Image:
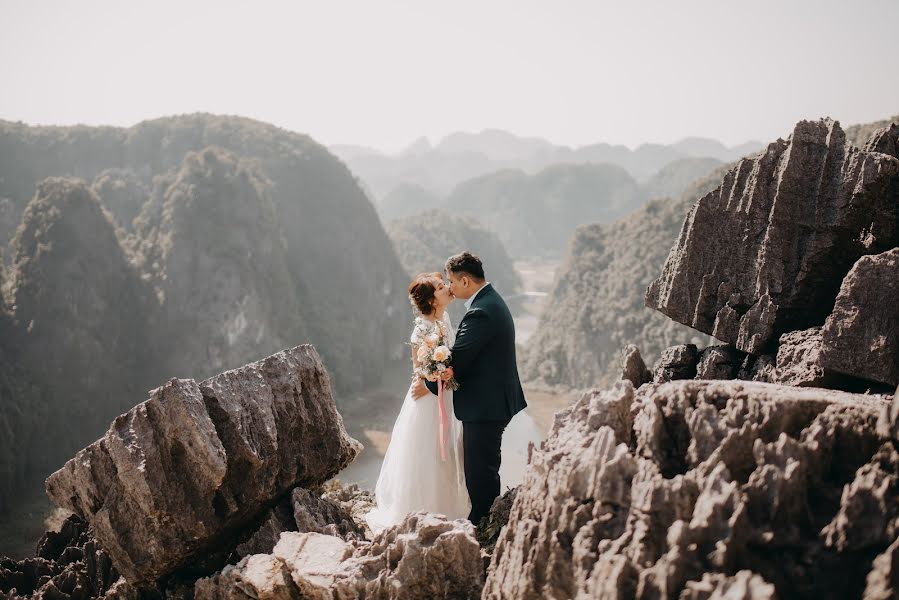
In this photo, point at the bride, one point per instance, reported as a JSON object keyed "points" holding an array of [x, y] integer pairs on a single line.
{"points": [[413, 475]]}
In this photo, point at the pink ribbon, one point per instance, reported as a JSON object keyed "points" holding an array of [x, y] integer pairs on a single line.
{"points": [[442, 421]]}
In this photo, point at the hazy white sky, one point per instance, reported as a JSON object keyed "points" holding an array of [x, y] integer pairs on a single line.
{"points": [[383, 72]]}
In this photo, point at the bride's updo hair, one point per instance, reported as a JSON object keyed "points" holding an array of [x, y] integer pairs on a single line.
{"points": [[421, 292]]}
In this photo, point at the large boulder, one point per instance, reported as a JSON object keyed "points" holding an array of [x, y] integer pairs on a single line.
{"points": [[186, 469], [426, 556], [670, 490], [764, 253], [861, 336]]}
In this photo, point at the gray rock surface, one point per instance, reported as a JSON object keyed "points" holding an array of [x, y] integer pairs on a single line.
{"points": [[719, 362], [676, 362], [426, 556], [182, 471], [667, 491], [799, 359], [861, 336], [883, 580], [634, 369], [764, 253], [316, 514], [744, 585]]}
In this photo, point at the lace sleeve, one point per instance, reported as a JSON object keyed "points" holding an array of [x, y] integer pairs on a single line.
{"points": [[419, 331]]}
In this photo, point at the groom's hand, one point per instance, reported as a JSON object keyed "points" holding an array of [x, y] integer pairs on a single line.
{"points": [[419, 390]]}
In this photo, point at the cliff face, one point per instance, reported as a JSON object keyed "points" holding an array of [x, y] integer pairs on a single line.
{"points": [[218, 262], [596, 306], [81, 323]]}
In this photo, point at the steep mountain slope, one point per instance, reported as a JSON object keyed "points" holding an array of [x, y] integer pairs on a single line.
{"points": [[596, 306], [83, 321], [247, 239]]}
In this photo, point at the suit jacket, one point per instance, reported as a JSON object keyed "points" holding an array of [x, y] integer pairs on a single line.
{"points": [[484, 362]]}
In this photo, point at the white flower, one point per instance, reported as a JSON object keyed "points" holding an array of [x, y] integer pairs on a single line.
{"points": [[441, 367], [422, 354], [431, 340], [441, 353]]}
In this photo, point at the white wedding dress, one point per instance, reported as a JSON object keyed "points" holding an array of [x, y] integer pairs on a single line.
{"points": [[413, 476]]}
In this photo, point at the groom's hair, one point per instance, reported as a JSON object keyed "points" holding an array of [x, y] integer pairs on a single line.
{"points": [[466, 263]]}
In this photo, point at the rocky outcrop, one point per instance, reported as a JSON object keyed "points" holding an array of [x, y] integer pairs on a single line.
{"points": [[676, 362], [196, 462], [69, 565], [633, 368], [694, 489], [491, 526], [317, 514], [764, 253], [719, 362], [305, 510], [799, 359], [426, 556], [861, 336], [858, 345]]}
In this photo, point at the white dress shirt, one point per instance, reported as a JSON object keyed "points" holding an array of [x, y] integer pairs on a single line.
{"points": [[475, 295]]}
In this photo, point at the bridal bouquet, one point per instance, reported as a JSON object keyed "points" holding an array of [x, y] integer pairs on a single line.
{"points": [[435, 357]]}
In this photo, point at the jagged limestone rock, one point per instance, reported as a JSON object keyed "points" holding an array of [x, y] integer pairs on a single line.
{"points": [[799, 359], [883, 580], [180, 472], [634, 369], [320, 515], [426, 556], [676, 362], [719, 362], [706, 479], [744, 585], [861, 336], [69, 565], [764, 253]]}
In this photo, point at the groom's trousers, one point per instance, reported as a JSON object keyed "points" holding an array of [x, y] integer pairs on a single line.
{"points": [[481, 443]]}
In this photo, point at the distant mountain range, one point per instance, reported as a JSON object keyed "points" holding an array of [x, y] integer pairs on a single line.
{"points": [[536, 214], [461, 156]]}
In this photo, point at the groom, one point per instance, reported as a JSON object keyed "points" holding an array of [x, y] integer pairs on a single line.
{"points": [[484, 365]]}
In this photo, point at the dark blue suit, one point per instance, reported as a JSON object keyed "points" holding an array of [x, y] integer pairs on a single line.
{"points": [[489, 394]]}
